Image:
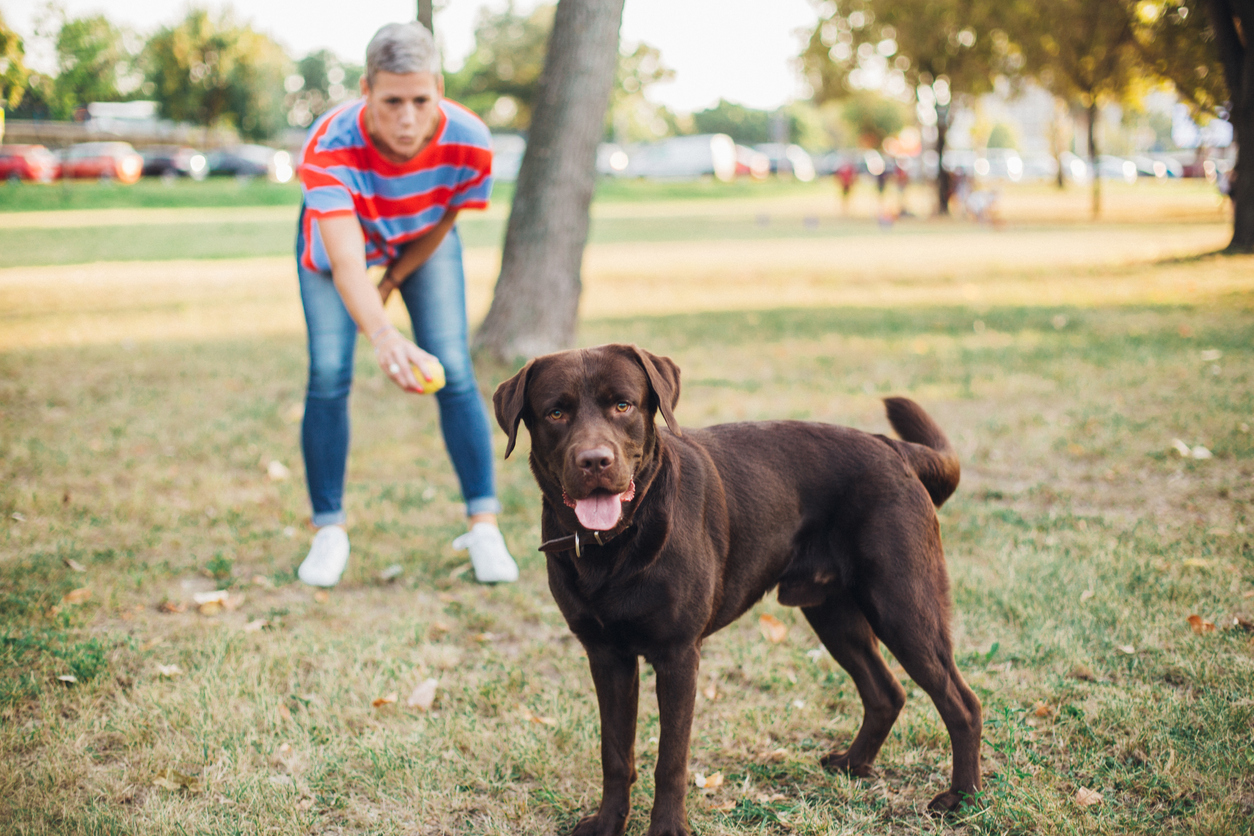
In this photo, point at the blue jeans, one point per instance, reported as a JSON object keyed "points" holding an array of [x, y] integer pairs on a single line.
{"points": [[435, 295]]}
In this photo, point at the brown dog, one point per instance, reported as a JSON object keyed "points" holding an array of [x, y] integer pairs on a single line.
{"points": [[657, 539]]}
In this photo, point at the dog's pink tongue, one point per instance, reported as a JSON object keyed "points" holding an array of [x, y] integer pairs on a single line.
{"points": [[599, 512]]}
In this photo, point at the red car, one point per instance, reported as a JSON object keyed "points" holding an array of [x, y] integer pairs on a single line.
{"points": [[103, 160], [33, 163]]}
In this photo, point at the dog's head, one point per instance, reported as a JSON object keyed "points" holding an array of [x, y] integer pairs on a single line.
{"points": [[590, 414]]}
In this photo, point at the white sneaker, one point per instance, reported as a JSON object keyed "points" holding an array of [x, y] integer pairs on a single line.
{"points": [[488, 554], [327, 557]]}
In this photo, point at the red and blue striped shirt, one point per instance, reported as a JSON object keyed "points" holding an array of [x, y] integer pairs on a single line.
{"points": [[342, 172]]}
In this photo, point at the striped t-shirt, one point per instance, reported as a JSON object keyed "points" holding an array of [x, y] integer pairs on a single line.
{"points": [[341, 171]]}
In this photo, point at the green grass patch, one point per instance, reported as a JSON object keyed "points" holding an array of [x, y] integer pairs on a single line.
{"points": [[1079, 543]]}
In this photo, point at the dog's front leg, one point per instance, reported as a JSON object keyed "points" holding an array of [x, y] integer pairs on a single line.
{"points": [[616, 676], [676, 699]]}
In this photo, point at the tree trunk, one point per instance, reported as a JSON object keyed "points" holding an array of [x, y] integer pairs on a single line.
{"points": [[1097, 178], [425, 16], [536, 302], [1237, 57], [944, 185]]}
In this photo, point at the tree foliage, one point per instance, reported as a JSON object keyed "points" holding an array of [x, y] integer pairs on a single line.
{"points": [[94, 64], [320, 82], [1176, 41], [13, 72], [931, 51], [743, 124], [211, 71]]}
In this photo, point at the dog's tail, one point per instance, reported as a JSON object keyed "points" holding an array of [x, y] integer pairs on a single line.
{"points": [[929, 452]]}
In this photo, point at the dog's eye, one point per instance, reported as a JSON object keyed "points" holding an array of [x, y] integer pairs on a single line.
{"points": [[622, 406], [556, 414]]}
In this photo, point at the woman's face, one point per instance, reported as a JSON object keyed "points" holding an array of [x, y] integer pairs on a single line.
{"points": [[402, 111]]}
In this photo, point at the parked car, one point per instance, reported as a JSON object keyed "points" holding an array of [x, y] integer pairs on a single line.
{"points": [[751, 163], [251, 161], [684, 157], [788, 160], [32, 163], [174, 161], [102, 160]]}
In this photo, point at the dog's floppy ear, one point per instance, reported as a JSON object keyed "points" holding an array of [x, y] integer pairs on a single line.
{"points": [[510, 399], [664, 381]]}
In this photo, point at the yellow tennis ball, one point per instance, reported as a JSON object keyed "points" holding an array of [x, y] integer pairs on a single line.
{"points": [[437, 381]]}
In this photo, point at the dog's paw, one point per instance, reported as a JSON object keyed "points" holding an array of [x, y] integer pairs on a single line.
{"points": [[950, 800], [600, 825], [669, 830], [840, 762]]}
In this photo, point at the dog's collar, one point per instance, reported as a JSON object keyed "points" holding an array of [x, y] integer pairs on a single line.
{"points": [[572, 541]]}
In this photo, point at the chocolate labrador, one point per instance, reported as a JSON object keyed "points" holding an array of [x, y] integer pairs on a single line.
{"points": [[656, 538]]}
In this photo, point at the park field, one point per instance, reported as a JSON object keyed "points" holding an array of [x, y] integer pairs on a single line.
{"points": [[1097, 380]]}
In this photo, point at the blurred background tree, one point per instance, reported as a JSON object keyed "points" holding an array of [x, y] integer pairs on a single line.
{"points": [[500, 77], [96, 62], [321, 81], [928, 51], [13, 72], [1082, 52], [1203, 48], [210, 71]]}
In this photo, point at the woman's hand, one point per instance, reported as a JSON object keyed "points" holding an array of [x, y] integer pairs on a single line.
{"points": [[397, 356], [387, 284]]}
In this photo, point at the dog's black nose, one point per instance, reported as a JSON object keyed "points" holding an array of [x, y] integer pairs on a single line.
{"points": [[594, 459]]}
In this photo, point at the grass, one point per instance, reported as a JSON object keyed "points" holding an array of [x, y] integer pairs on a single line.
{"points": [[1079, 544]]}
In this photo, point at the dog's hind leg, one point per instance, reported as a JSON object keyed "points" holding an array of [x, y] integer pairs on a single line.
{"points": [[848, 636], [926, 652], [616, 676]]}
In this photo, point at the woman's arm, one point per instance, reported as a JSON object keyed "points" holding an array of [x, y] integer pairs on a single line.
{"points": [[346, 248], [414, 255]]}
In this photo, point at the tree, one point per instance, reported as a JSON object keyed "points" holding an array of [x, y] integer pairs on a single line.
{"points": [[211, 72], [536, 303], [1203, 47], [321, 81], [94, 64], [934, 51], [743, 124], [1082, 52], [632, 117], [13, 72], [500, 79]]}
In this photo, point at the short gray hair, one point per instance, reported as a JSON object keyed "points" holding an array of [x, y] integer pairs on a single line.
{"points": [[402, 48]]}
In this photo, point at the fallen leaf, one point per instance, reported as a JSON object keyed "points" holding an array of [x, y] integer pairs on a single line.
{"points": [[75, 565], [460, 570], [1127, 648], [281, 780], [710, 692], [1086, 594], [1086, 797], [484, 638], [76, 596], [277, 471], [1242, 621], [262, 580], [18, 516], [387, 699], [218, 596], [172, 607], [535, 718], [725, 806], [1042, 709], [284, 712], [1180, 447], [173, 780], [1200, 625], [322, 596], [773, 629], [776, 755], [1196, 563], [69, 677], [255, 625], [423, 696], [771, 799], [1210, 355], [391, 573], [708, 783], [169, 671], [211, 608]]}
